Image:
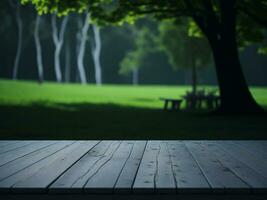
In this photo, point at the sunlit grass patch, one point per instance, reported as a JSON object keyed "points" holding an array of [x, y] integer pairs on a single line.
{"points": [[25, 93]]}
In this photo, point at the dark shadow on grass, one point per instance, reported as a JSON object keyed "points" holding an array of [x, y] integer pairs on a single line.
{"points": [[109, 121]]}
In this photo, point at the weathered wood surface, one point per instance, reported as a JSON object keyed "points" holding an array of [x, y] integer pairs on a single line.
{"points": [[133, 167]]}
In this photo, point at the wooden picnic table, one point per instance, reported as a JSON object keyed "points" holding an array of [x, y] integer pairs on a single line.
{"points": [[197, 101], [172, 104], [115, 169]]}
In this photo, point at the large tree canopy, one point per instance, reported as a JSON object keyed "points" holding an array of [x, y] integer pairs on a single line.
{"points": [[217, 20]]}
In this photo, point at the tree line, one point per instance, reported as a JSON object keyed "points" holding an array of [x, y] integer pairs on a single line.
{"points": [[219, 22], [59, 26], [225, 25], [72, 39]]}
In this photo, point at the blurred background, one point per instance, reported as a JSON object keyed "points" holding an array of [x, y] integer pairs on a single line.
{"points": [[145, 53]]}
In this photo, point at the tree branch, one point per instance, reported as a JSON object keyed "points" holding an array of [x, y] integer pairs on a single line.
{"points": [[259, 20]]}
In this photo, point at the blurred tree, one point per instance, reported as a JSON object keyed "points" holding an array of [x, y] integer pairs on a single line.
{"points": [[58, 39], [38, 49], [6, 31], [184, 51], [67, 57], [82, 37], [255, 12], [145, 43], [16, 6], [96, 50], [121, 38], [217, 21], [130, 64]]}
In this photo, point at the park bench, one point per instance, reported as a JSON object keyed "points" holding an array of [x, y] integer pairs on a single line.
{"points": [[175, 104]]}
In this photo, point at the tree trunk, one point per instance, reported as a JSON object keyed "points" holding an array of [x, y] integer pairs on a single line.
{"points": [[19, 46], [78, 43], [81, 46], [38, 49], [58, 39], [96, 50], [135, 76], [67, 62], [194, 74], [235, 95]]}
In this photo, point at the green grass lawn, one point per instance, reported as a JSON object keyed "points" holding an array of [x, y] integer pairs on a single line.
{"points": [[25, 93], [71, 111]]}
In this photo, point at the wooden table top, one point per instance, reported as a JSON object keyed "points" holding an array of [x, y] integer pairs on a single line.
{"points": [[153, 166]]}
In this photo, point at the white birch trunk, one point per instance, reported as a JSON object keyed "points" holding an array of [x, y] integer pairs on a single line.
{"points": [[67, 62], [78, 41], [78, 35], [96, 50], [81, 46], [38, 49], [135, 76], [58, 39], [19, 43]]}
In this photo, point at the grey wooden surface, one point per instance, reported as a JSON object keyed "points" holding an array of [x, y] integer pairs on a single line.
{"points": [[133, 167]]}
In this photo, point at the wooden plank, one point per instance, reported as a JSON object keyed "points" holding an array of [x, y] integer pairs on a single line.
{"points": [[134, 166], [247, 174], [126, 179], [145, 178], [188, 175], [19, 152], [220, 177], [104, 179], [7, 142], [75, 178], [82, 181], [14, 146], [6, 184], [259, 148], [252, 160], [40, 180], [25, 161], [155, 171], [164, 179]]}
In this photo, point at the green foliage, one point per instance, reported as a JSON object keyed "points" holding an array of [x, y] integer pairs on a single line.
{"points": [[193, 30], [120, 11], [248, 32], [145, 43], [131, 61], [262, 50], [58, 6], [185, 50]]}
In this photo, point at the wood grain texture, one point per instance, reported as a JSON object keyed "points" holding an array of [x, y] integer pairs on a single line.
{"points": [[126, 178], [188, 175], [7, 143], [114, 167], [9, 146], [145, 178], [254, 179], [155, 172], [220, 177], [22, 151], [76, 177], [251, 159], [6, 184], [40, 180], [104, 179]]}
